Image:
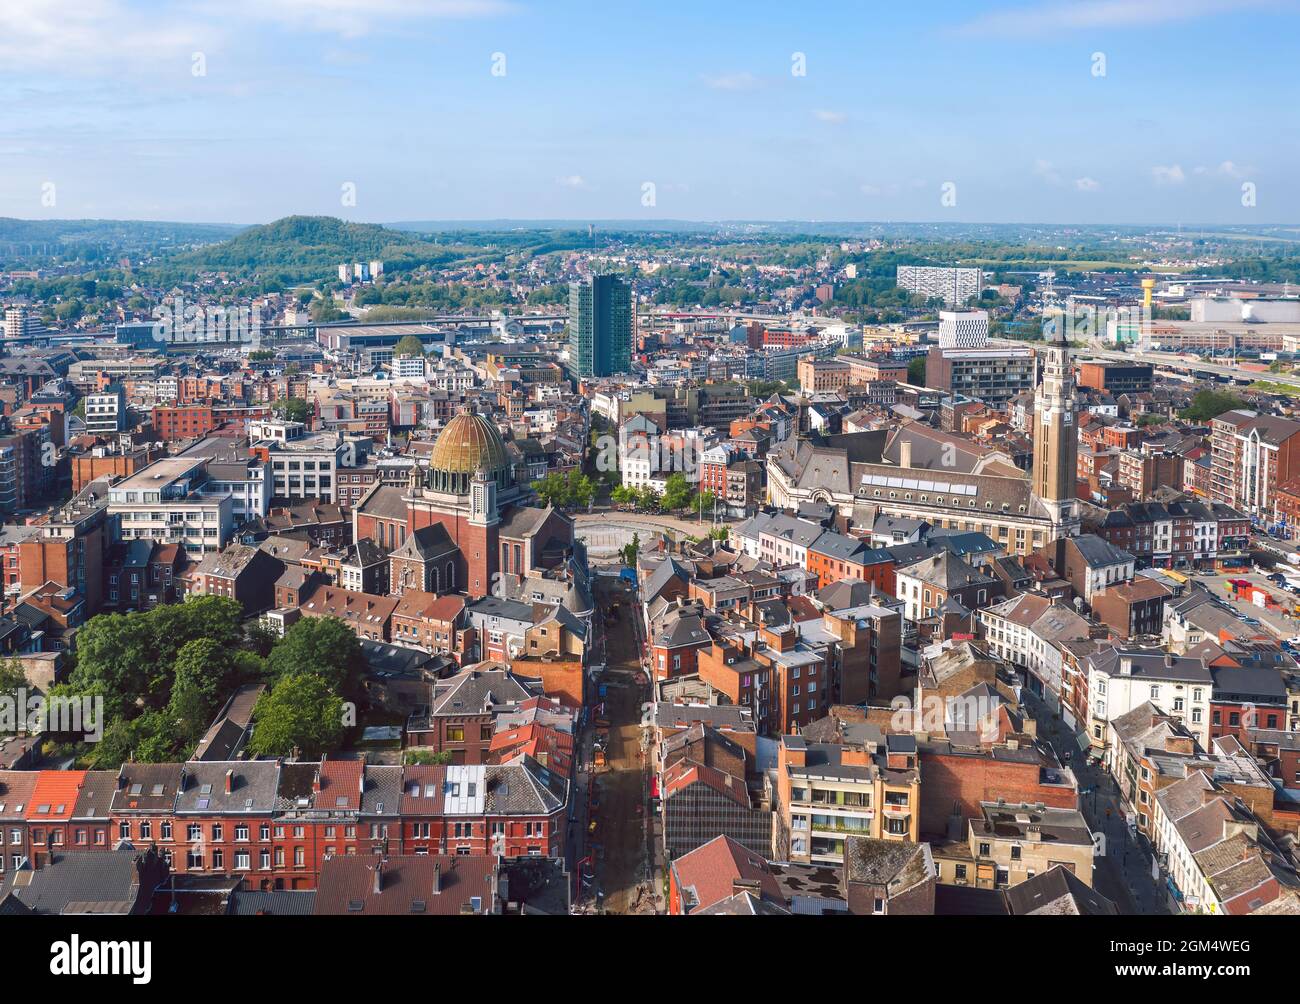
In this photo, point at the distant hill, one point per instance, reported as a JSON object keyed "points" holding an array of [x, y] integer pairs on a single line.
{"points": [[309, 247], [25, 237]]}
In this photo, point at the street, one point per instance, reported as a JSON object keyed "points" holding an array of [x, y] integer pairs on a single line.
{"points": [[620, 841], [1122, 870]]}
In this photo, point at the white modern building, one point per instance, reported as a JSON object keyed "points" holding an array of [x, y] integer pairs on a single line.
{"points": [[305, 465], [105, 413], [963, 329], [167, 502]]}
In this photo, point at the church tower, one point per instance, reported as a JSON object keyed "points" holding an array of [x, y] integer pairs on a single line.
{"points": [[1056, 440]]}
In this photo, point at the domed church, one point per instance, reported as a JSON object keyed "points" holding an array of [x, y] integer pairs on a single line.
{"points": [[463, 521]]}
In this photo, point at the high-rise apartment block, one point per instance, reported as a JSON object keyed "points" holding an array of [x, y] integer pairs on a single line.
{"points": [[952, 285]]}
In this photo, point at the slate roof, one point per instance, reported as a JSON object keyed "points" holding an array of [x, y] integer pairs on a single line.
{"points": [[279, 903], [474, 691], [383, 790], [89, 882], [407, 885], [147, 788], [254, 788], [946, 571], [1057, 891]]}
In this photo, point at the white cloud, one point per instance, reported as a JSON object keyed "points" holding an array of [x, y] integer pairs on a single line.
{"points": [[825, 115], [1231, 170], [80, 37], [1170, 175], [572, 181], [1046, 18], [1047, 171], [97, 37], [354, 18], [743, 81], [1087, 184]]}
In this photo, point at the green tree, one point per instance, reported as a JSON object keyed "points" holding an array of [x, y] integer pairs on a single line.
{"points": [[323, 311], [12, 679], [425, 758], [623, 495], [324, 646], [302, 711], [677, 492], [293, 409], [1208, 404], [631, 550], [916, 372], [409, 345], [205, 673], [552, 489], [704, 502], [581, 489]]}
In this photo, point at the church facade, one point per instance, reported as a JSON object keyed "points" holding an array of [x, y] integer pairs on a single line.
{"points": [[463, 523]]}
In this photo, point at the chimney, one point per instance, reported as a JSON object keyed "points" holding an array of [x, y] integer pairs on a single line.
{"points": [[905, 453], [437, 878], [230, 780], [379, 877], [854, 756]]}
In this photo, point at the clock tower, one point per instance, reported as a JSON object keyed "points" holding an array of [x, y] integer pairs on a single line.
{"points": [[1056, 440]]}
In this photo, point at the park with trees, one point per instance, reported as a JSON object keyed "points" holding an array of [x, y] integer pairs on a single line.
{"points": [[164, 674]]}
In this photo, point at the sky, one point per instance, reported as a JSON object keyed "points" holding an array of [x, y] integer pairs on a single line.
{"points": [[243, 111]]}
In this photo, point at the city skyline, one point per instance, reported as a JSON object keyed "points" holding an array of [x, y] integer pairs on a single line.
{"points": [[1088, 113]]}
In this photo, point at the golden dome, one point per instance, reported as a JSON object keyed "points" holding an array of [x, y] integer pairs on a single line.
{"points": [[469, 443]]}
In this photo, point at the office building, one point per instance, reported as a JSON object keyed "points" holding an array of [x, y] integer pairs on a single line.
{"points": [[600, 326]]}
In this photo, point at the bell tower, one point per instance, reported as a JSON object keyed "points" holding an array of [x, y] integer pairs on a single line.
{"points": [[1056, 440], [483, 500], [479, 542]]}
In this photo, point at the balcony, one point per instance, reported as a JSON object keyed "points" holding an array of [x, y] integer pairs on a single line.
{"points": [[860, 825]]}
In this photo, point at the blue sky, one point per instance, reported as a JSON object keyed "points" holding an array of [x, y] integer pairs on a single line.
{"points": [[1000, 99]]}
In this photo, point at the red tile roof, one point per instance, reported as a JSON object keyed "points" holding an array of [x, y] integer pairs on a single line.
{"points": [[707, 874], [55, 796], [340, 784]]}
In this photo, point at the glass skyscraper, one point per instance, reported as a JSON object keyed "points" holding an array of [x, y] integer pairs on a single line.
{"points": [[600, 326]]}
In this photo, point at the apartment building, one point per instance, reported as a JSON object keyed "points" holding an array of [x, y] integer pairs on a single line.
{"points": [[1250, 455], [1120, 680], [867, 786], [952, 285], [169, 501], [306, 465]]}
